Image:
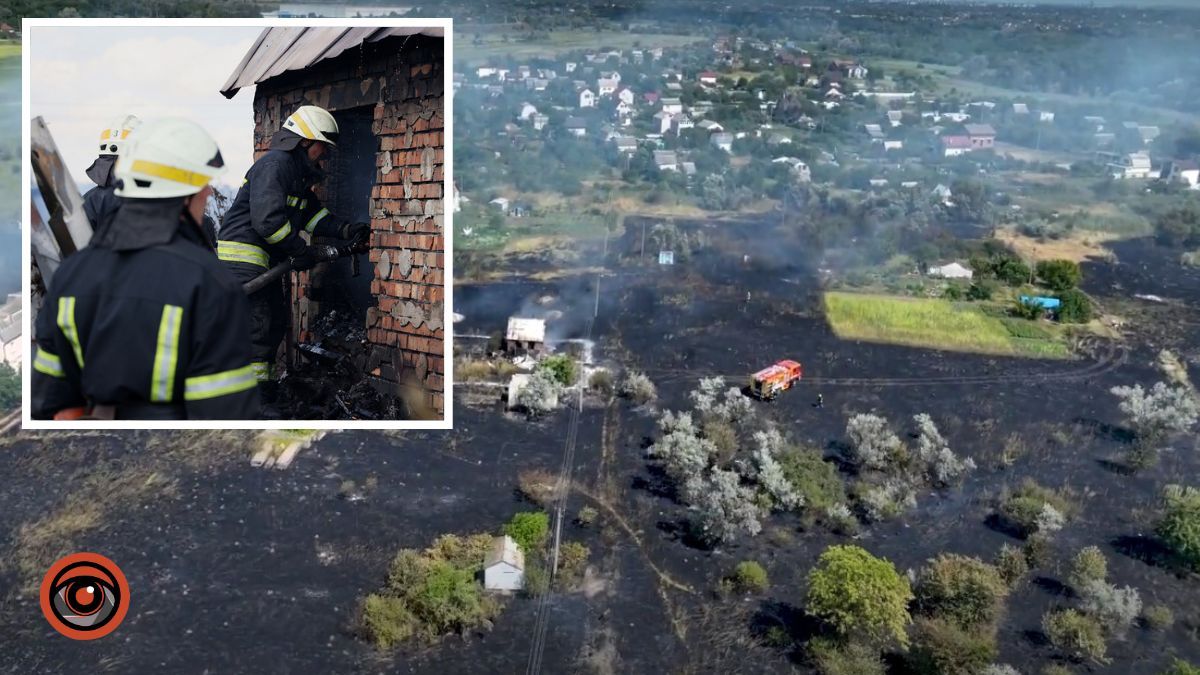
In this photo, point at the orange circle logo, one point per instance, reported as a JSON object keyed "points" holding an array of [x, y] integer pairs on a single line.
{"points": [[84, 596]]}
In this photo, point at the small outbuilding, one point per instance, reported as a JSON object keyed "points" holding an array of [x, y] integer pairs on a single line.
{"points": [[525, 335], [504, 566], [951, 271]]}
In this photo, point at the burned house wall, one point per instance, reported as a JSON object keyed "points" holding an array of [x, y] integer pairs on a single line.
{"points": [[400, 82]]}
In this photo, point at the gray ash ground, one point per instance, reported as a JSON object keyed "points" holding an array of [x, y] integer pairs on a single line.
{"points": [[248, 570]]}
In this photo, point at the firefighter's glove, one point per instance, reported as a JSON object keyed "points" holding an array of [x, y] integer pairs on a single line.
{"points": [[356, 233], [305, 260]]}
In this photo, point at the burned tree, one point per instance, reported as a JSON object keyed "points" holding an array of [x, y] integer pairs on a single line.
{"points": [[1155, 414]]}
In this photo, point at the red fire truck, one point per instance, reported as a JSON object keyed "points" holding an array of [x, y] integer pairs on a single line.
{"points": [[768, 382]]}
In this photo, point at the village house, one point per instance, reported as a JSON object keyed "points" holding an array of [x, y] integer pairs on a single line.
{"points": [[626, 96], [587, 99], [777, 139], [504, 566], [622, 109], [570, 66], [626, 144], [981, 135], [1045, 116], [501, 204], [722, 141], [525, 336], [1184, 171], [385, 89], [893, 145], [681, 123], [710, 126], [666, 160], [576, 126], [953, 146], [663, 119], [672, 106], [674, 88], [651, 98], [799, 168], [606, 86], [1020, 109], [540, 121], [701, 108], [941, 193], [527, 111], [708, 77], [1135, 166], [1148, 133], [951, 271], [875, 132]]}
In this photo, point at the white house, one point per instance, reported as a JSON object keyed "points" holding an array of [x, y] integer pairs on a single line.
{"points": [[679, 123], [587, 99], [614, 76], [710, 126], [540, 121], [951, 271], [708, 77], [672, 106], [941, 193], [875, 132], [1136, 165], [666, 160], [664, 121], [569, 66], [626, 144], [893, 145], [500, 203], [484, 72], [1020, 108], [504, 566], [895, 117], [1045, 116], [606, 87], [527, 111], [623, 109], [625, 96], [722, 141], [799, 167]]}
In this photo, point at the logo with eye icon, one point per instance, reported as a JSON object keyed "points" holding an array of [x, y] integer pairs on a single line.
{"points": [[84, 596]]}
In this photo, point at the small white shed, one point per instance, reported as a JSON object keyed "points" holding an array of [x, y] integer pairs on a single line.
{"points": [[951, 271], [504, 566]]}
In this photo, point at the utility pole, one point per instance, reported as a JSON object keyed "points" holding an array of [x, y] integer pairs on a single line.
{"points": [[596, 310], [643, 256]]}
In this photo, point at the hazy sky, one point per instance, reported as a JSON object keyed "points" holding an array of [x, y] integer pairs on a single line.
{"points": [[86, 78]]}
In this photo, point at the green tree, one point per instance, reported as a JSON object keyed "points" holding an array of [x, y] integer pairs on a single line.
{"points": [[946, 648], [10, 387], [1075, 307], [966, 591], [1180, 525], [750, 576], [529, 529], [860, 595], [562, 367], [1076, 634], [1059, 275]]}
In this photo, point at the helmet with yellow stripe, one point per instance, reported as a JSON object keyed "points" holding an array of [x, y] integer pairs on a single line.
{"points": [[169, 157], [112, 138], [313, 123]]}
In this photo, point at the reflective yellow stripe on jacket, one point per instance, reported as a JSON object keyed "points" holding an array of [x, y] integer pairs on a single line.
{"points": [[219, 384], [236, 251], [312, 222], [47, 363], [66, 323], [166, 355], [279, 234]]}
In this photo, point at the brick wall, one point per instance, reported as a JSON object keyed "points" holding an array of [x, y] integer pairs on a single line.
{"points": [[402, 80]]}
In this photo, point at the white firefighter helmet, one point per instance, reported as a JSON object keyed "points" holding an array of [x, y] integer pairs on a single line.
{"points": [[112, 138], [313, 123], [169, 157]]}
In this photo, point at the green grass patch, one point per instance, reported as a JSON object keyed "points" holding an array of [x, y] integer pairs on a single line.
{"points": [[937, 324], [10, 49]]}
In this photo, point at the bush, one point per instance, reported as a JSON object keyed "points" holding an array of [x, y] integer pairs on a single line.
{"points": [[872, 443], [981, 290], [815, 480], [1115, 608], [1075, 634], [601, 382], [830, 658], [1011, 564], [587, 515], [1026, 509], [529, 529], [562, 367], [1158, 617], [1180, 526], [883, 502], [965, 591], [941, 464], [572, 558], [1075, 307], [386, 620], [537, 579], [1181, 667], [10, 387], [1059, 275], [750, 577], [859, 595], [540, 394], [1089, 565], [638, 388], [944, 648], [1165, 408]]}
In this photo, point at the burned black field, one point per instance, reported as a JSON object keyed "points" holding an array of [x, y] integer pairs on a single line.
{"points": [[241, 569]]}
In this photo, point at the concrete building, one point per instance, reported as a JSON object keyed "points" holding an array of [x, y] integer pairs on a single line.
{"points": [[525, 335], [504, 566]]}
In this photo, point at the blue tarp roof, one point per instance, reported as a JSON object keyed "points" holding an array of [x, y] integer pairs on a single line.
{"points": [[1041, 301]]}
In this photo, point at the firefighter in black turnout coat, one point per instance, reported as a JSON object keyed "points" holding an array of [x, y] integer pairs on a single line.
{"points": [[100, 204], [145, 322], [263, 225]]}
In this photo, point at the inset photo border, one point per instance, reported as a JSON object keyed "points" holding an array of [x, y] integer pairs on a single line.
{"points": [[156, 298]]}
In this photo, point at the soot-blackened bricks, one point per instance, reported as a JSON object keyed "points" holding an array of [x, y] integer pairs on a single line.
{"points": [[402, 81]]}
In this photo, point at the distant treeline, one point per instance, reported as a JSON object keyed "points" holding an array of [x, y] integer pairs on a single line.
{"points": [[12, 11]]}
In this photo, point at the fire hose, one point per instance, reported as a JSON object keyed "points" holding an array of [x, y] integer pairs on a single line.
{"points": [[321, 254]]}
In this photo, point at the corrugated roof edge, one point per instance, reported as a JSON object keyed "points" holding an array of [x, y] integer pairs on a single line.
{"points": [[281, 49]]}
